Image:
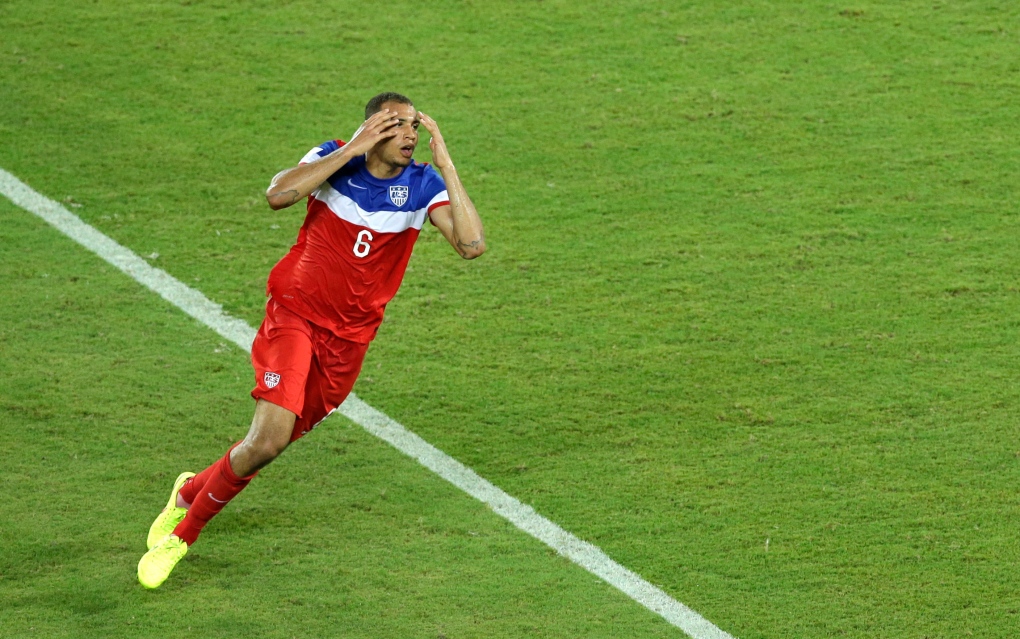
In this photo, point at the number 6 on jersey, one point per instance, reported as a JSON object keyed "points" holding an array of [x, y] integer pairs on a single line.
{"points": [[362, 246]]}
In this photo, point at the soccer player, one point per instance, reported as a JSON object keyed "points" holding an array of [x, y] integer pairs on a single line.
{"points": [[367, 202]]}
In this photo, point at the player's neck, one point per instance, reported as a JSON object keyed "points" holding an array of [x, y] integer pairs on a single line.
{"points": [[381, 169]]}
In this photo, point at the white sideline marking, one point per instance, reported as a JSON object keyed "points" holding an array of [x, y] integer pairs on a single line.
{"points": [[192, 302]]}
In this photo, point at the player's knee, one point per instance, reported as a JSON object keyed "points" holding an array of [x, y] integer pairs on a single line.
{"points": [[268, 449], [264, 447]]}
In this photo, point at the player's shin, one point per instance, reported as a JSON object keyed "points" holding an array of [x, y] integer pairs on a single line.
{"points": [[221, 485]]}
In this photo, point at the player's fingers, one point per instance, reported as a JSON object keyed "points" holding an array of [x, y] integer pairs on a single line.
{"points": [[379, 117], [426, 121], [374, 121], [385, 125]]}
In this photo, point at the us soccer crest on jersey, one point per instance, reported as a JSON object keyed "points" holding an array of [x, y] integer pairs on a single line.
{"points": [[398, 195]]}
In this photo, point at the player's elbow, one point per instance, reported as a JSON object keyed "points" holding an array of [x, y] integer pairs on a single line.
{"points": [[281, 192], [278, 200], [472, 250], [274, 203]]}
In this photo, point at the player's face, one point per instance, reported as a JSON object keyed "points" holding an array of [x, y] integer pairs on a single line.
{"points": [[397, 151]]}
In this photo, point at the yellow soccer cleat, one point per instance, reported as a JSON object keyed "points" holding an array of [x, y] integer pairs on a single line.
{"points": [[157, 564], [171, 515]]}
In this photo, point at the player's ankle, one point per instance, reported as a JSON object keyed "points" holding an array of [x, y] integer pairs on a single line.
{"points": [[181, 503]]}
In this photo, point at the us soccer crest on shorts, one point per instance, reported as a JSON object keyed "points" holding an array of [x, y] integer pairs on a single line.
{"points": [[271, 379], [398, 195]]}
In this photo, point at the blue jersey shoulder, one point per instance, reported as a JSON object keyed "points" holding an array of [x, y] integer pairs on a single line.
{"points": [[328, 147]]}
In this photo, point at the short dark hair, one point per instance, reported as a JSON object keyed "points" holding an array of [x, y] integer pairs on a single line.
{"points": [[375, 104]]}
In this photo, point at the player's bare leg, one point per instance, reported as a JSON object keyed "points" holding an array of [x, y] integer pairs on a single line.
{"points": [[268, 436], [211, 490]]}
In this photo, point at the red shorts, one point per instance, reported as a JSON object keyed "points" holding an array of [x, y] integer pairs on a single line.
{"points": [[302, 367]]}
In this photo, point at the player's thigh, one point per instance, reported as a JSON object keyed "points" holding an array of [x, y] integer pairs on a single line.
{"points": [[331, 377]]}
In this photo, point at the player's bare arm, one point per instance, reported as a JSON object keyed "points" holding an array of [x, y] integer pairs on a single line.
{"points": [[459, 222], [295, 184]]}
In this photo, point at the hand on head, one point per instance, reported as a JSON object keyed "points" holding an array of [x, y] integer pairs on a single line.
{"points": [[379, 127], [440, 155]]}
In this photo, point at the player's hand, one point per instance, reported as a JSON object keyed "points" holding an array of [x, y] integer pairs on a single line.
{"points": [[440, 155], [380, 126]]}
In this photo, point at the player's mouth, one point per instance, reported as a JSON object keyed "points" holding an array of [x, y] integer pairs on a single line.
{"points": [[407, 150]]}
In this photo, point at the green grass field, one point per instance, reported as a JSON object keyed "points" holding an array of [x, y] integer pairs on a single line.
{"points": [[748, 320]]}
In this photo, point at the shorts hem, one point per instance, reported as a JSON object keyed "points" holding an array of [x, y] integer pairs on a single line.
{"points": [[258, 394]]}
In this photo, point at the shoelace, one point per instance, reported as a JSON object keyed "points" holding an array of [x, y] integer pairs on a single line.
{"points": [[176, 546]]}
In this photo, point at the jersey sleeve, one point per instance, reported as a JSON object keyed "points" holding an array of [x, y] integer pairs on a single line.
{"points": [[433, 190], [321, 151]]}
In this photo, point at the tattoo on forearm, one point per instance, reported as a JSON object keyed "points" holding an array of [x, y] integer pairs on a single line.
{"points": [[289, 197], [464, 247]]}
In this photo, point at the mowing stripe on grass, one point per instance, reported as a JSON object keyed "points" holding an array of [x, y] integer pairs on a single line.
{"points": [[195, 304]]}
